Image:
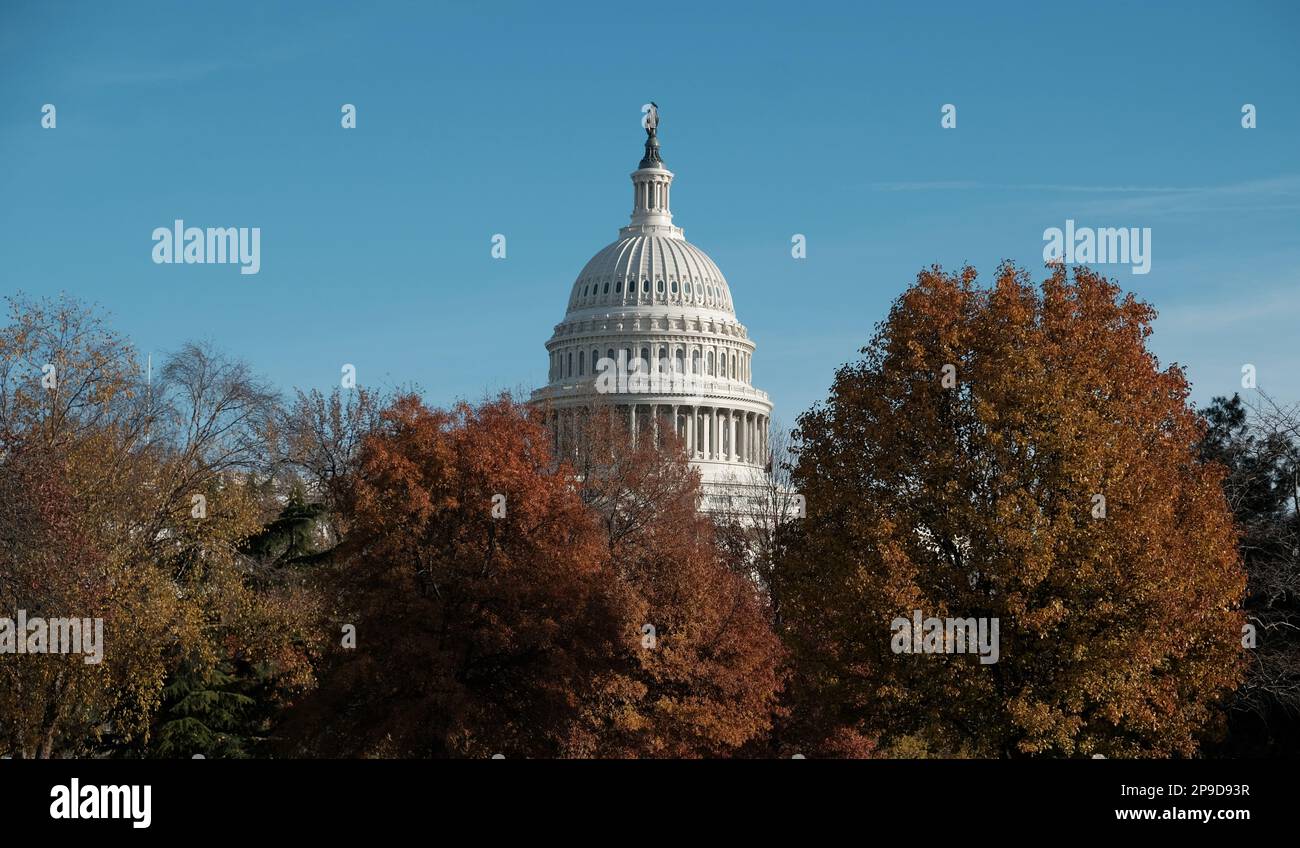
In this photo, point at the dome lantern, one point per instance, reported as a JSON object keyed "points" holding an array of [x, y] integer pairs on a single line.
{"points": [[651, 184]]}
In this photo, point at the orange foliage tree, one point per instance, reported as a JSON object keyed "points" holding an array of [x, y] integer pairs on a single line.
{"points": [[1015, 453], [499, 600], [703, 675]]}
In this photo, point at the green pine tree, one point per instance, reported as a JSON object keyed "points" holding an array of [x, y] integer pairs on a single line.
{"points": [[204, 713], [293, 536]]}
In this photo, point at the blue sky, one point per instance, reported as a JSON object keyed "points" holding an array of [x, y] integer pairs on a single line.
{"points": [[523, 119]]}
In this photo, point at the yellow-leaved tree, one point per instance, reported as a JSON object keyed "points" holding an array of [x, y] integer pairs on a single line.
{"points": [[1014, 453]]}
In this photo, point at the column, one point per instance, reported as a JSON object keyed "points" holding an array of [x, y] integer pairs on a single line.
{"points": [[717, 437], [690, 431], [631, 423]]}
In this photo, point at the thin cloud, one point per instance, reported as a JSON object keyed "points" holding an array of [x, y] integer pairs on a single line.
{"points": [[929, 186], [940, 185], [1281, 193], [1243, 306]]}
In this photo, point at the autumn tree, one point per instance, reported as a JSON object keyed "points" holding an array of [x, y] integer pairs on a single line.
{"points": [[471, 577], [505, 602], [131, 498], [705, 667], [1016, 453], [49, 569]]}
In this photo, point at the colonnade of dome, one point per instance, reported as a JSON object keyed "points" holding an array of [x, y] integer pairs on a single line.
{"points": [[709, 433]]}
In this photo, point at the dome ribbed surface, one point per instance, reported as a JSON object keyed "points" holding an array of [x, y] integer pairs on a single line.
{"points": [[651, 270]]}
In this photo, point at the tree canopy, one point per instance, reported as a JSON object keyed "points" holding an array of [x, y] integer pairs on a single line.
{"points": [[1016, 453]]}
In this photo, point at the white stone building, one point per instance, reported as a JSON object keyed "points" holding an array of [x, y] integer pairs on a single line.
{"points": [[655, 297]]}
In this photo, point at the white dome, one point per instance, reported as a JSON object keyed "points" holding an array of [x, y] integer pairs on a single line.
{"points": [[653, 298], [650, 270]]}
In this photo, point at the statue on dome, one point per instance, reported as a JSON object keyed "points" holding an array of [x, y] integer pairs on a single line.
{"points": [[650, 119]]}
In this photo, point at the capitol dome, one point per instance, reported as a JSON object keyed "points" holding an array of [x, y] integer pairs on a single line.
{"points": [[653, 300], [644, 270]]}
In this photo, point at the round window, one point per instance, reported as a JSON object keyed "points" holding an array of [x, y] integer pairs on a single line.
{"points": [[618, 287], [688, 289], [659, 286], [674, 287]]}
